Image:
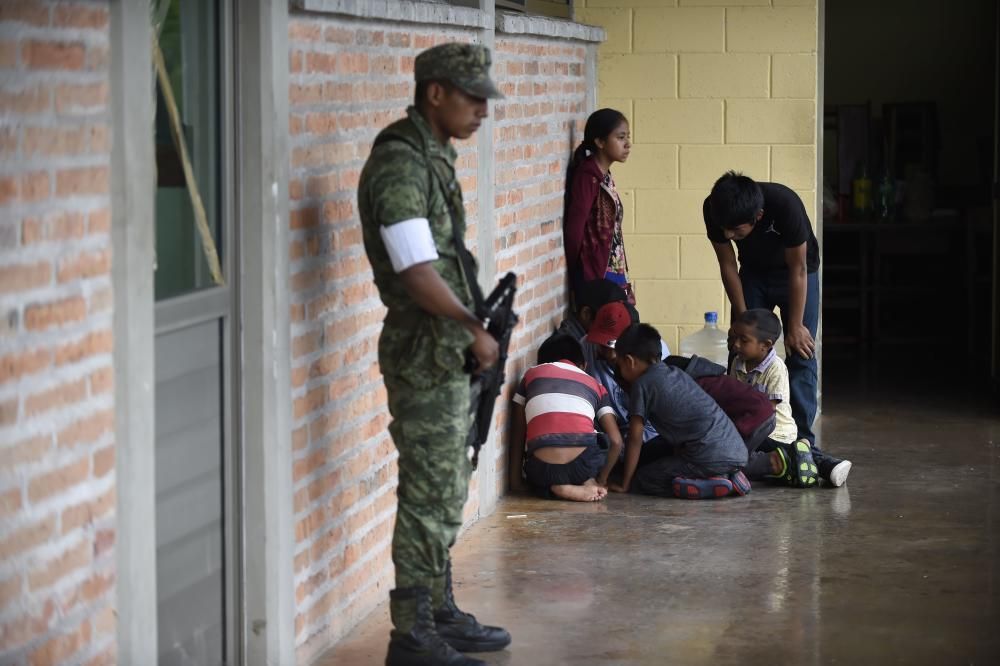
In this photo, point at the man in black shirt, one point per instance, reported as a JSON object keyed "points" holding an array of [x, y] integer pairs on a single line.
{"points": [[778, 264]]}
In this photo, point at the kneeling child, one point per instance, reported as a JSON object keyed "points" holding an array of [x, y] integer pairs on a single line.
{"points": [[555, 407], [709, 452]]}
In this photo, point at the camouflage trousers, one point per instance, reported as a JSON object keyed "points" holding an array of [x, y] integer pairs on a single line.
{"points": [[429, 429]]}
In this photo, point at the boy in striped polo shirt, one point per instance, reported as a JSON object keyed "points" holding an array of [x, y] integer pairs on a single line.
{"points": [[555, 407]]}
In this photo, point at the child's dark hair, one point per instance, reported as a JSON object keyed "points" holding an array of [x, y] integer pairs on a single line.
{"points": [[641, 341], [559, 347], [735, 200], [679, 362], [600, 124], [766, 325], [595, 293]]}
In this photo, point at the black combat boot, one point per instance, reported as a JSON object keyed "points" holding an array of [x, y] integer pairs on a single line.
{"points": [[461, 630], [420, 645]]}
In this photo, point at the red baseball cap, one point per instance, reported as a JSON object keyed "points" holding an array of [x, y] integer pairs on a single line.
{"points": [[611, 321]]}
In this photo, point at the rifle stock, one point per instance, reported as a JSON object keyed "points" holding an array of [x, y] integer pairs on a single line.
{"points": [[497, 313]]}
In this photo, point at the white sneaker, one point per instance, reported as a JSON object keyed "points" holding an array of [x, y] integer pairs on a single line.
{"points": [[838, 475]]}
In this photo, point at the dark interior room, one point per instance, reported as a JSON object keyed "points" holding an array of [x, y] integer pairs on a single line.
{"points": [[909, 201]]}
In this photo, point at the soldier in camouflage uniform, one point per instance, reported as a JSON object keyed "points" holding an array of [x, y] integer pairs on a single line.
{"points": [[407, 197]]}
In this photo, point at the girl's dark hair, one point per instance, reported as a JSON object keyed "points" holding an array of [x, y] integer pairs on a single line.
{"points": [[766, 325], [641, 341], [561, 346], [735, 200], [600, 125]]}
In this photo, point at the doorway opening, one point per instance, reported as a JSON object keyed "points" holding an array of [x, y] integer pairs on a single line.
{"points": [[909, 205]]}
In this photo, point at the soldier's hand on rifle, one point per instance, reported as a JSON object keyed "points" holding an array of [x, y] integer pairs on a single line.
{"points": [[484, 348]]}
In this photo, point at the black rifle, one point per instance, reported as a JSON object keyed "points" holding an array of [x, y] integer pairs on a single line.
{"points": [[497, 314]]}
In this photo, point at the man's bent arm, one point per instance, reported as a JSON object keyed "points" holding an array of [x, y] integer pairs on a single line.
{"points": [[795, 257], [433, 295], [730, 277], [797, 336]]}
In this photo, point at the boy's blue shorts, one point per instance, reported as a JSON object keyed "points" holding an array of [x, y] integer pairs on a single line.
{"points": [[542, 476]]}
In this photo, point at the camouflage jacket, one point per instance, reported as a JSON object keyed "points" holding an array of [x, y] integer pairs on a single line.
{"points": [[397, 184]]}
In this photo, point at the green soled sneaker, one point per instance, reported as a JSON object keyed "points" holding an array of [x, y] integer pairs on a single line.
{"points": [[799, 469], [461, 630], [414, 641]]}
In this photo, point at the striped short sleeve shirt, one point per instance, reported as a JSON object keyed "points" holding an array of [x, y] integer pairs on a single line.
{"points": [[561, 403]]}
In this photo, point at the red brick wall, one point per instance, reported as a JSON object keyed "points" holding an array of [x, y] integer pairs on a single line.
{"points": [[536, 127], [57, 455], [348, 79]]}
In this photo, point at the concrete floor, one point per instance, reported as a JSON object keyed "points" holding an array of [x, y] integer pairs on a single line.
{"points": [[901, 566]]}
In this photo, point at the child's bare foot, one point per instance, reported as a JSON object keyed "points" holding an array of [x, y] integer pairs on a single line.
{"points": [[588, 492], [777, 463], [603, 489]]}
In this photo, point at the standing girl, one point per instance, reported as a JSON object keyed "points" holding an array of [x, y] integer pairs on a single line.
{"points": [[592, 224]]}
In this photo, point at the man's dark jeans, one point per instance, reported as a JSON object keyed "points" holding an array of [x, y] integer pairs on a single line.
{"points": [[770, 290]]}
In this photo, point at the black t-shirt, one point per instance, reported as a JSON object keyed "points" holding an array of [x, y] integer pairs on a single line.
{"points": [[785, 224]]}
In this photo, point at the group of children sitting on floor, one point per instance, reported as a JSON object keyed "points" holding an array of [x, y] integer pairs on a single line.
{"points": [[670, 425]]}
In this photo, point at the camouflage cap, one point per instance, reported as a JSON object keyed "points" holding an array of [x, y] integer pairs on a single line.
{"points": [[465, 65]]}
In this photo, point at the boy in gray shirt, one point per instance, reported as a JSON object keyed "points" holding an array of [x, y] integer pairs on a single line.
{"points": [[709, 452]]}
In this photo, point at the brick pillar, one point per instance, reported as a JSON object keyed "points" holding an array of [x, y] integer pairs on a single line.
{"points": [[57, 449]]}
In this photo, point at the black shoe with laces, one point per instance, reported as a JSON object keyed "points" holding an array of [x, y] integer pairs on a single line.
{"points": [[461, 630], [421, 645]]}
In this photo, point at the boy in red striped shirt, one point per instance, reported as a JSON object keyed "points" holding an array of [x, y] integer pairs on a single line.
{"points": [[555, 408]]}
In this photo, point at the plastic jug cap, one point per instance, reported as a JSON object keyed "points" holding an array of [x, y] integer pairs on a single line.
{"points": [[711, 317]]}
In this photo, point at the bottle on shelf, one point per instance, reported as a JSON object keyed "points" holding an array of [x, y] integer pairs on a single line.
{"points": [[862, 189], [709, 342], [887, 197]]}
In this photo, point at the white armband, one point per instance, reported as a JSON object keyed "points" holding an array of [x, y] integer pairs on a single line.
{"points": [[409, 243]]}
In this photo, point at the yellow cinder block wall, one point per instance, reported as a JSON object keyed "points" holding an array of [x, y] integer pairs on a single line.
{"points": [[708, 85]]}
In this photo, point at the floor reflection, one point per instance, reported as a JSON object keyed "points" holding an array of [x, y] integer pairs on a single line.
{"points": [[900, 566]]}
